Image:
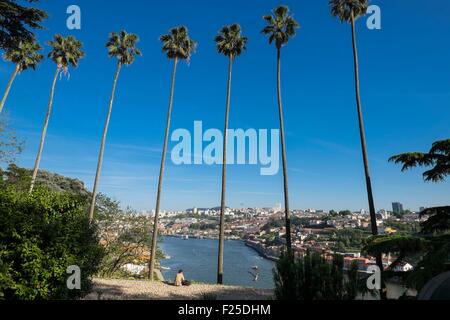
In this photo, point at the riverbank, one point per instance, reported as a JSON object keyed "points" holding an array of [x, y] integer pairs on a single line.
{"points": [[113, 289], [262, 252]]}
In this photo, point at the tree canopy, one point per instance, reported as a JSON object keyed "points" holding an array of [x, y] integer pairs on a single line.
{"points": [[280, 26], [41, 235], [122, 45], [430, 247], [17, 22], [438, 157], [345, 9], [65, 51], [230, 41], [25, 55], [312, 277], [178, 44]]}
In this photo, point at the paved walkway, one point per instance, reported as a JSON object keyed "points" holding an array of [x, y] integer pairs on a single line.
{"points": [[111, 289]]}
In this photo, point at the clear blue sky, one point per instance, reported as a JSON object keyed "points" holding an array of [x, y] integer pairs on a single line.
{"points": [[405, 83]]}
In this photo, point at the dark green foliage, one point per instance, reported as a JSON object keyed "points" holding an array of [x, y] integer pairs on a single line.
{"points": [[25, 55], [438, 221], [430, 247], [314, 278], [20, 178], [177, 44], [273, 223], [438, 157], [16, 21], [40, 236], [349, 239], [435, 256], [230, 41], [333, 213], [401, 227], [345, 213], [280, 27], [122, 45], [346, 9], [66, 51], [436, 260], [400, 245]]}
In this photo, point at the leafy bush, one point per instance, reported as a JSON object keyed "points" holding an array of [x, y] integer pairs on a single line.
{"points": [[313, 278], [125, 237], [20, 178], [428, 250], [40, 236], [349, 239]]}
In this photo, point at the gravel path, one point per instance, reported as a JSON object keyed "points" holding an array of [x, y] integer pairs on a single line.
{"points": [[111, 289]]}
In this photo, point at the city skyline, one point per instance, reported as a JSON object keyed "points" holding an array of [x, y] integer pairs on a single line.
{"points": [[403, 82]]}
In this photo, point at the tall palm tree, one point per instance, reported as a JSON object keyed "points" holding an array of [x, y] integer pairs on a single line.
{"points": [[123, 47], [281, 26], [349, 11], [65, 51], [177, 45], [230, 42], [25, 56]]}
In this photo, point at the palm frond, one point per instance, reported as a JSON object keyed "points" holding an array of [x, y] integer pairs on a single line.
{"points": [[66, 51], [230, 41], [281, 26], [178, 44], [25, 55], [122, 46], [345, 9]]}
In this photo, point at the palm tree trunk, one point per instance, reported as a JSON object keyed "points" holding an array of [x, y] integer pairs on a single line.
{"points": [[283, 154], [224, 178], [44, 131], [102, 147], [373, 217], [8, 87], [362, 135], [161, 174]]}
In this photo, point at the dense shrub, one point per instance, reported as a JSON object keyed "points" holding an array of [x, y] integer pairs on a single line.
{"points": [[313, 278], [20, 178], [40, 236]]}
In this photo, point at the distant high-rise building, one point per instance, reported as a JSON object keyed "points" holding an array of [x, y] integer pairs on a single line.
{"points": [[397, 207]]}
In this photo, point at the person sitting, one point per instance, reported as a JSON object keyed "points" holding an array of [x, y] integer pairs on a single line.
{"points": [[180, 280]]}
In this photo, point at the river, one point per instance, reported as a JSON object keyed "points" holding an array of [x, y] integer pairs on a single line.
{"points": [[198, 259]]}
